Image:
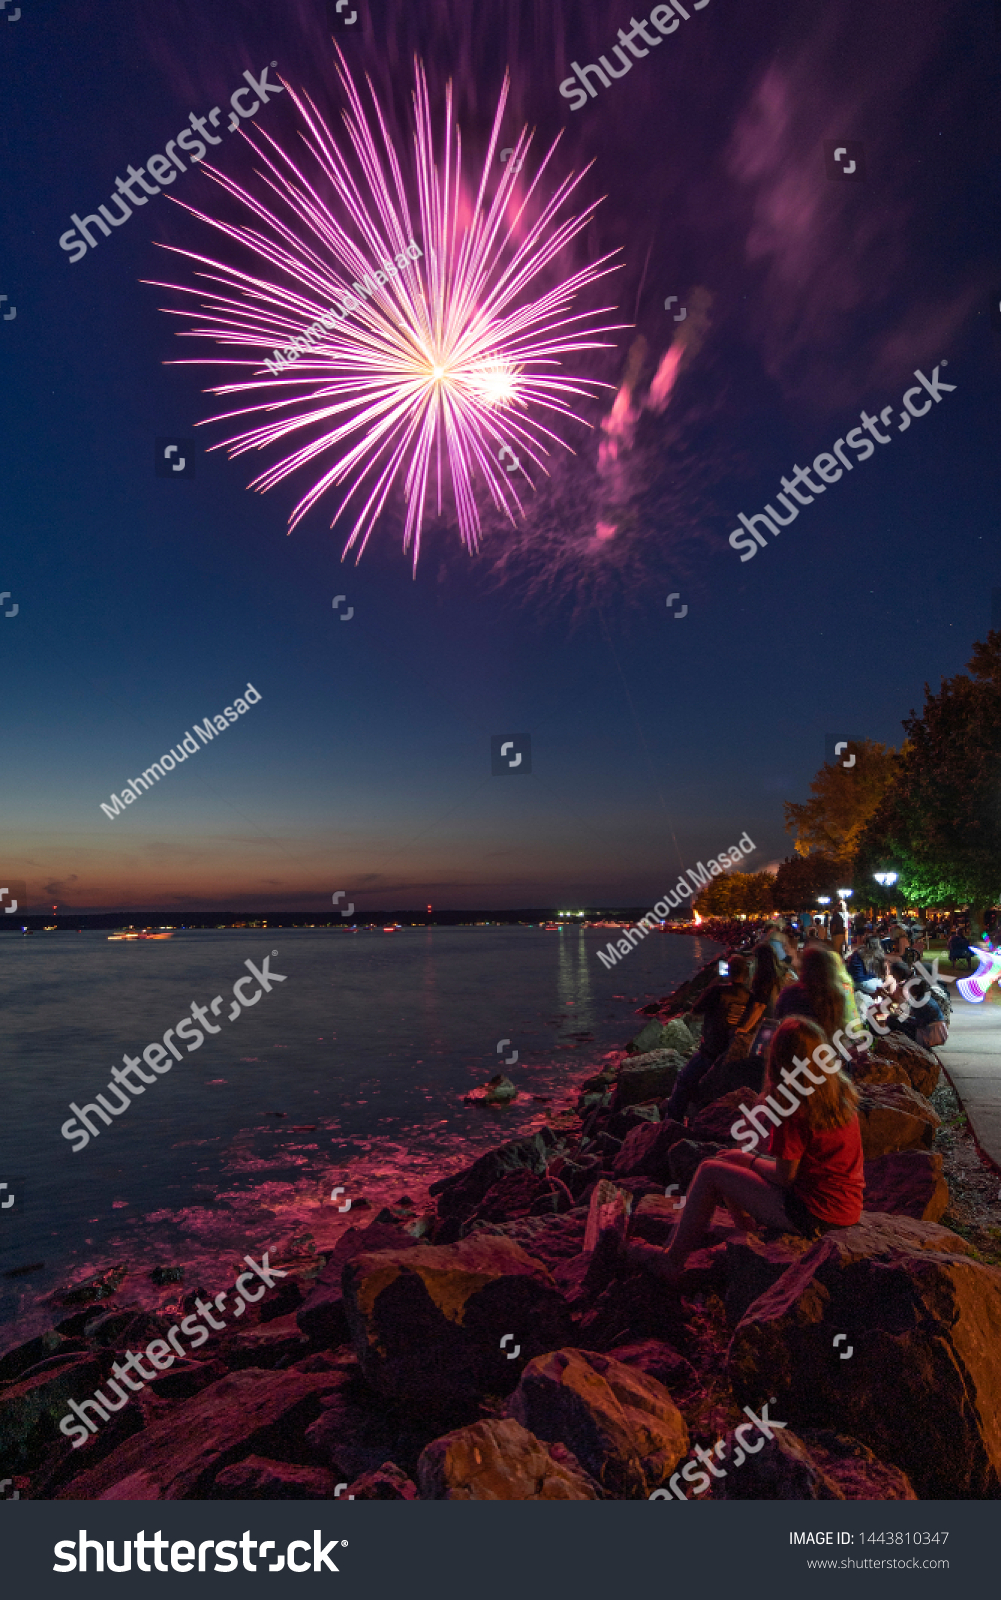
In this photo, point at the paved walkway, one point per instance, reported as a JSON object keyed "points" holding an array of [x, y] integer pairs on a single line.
{"points": [[972, 1058]]}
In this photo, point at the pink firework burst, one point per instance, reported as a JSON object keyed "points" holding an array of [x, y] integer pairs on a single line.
{"points": [[425, 381]]}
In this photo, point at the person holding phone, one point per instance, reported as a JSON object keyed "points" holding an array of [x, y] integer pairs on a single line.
{"points": [[722, 1006]]}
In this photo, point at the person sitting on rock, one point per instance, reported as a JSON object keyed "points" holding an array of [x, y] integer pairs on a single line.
{"points": [[722, 1005], [810, 1181], [914, 1009], [867, 966]]}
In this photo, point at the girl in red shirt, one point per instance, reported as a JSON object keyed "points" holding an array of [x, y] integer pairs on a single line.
{"points": [[811, 1179]]}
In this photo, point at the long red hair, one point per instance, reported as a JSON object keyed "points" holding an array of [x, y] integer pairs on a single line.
{"points": [[834, 1102]]}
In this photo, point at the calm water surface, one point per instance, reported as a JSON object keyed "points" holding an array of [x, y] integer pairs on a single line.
{"points": [[368, 1048]]}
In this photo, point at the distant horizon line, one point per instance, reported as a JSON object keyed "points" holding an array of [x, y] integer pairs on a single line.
{"points": [[164, 917]]}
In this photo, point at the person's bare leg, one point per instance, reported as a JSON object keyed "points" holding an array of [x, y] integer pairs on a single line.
{"points": [[715, 1182]]}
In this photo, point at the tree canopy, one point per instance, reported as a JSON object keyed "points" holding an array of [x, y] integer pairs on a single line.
{"points": [[843, 801], [939, 824], [734, 893], [801, 878]]}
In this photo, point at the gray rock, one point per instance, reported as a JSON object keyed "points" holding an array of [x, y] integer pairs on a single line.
{"points": [[685, 1157], [646, 1077], [646, 1151]]}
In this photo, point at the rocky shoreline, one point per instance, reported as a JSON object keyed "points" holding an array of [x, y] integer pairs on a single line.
{"points": [[494, 1346]]}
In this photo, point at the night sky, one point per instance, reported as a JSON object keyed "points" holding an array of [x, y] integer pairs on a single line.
{"points": [[145, 605]]}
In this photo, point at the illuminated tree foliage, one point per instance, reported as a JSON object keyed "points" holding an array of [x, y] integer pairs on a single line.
{"points": [[844, 800], [940, 823], [734, 893]]}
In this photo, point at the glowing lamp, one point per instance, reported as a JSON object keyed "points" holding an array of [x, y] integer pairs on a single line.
{"points": [[844, 894], [823, 899], [885, 878]]}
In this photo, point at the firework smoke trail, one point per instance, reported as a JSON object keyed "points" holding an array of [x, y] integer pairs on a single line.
{"points": [[452, 354], [604, 530]]}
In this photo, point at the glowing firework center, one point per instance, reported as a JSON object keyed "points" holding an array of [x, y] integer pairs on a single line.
{"points": [[428, 388], [367, 287]]}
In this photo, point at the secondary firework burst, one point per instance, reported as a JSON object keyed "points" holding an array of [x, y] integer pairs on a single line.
{"points": [[421, 386]]}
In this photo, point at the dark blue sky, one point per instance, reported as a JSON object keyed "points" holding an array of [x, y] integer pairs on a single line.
{"points": [[146, 605]]}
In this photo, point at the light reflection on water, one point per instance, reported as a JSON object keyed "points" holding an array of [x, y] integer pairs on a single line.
{"points": [[368, 1049]]}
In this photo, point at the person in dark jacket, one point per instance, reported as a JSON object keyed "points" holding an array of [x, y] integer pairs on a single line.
{"points": [[722, 1006], [917, 1012], [959, 950]]}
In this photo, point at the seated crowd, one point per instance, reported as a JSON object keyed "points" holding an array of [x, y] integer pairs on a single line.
{"points": [[770, 1011]]}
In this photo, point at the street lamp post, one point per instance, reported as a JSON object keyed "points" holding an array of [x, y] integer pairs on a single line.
{"points": [[886, 880]]}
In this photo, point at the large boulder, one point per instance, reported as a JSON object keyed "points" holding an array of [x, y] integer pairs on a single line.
{"points": [[498, 1461], [646, 1077], [550, 1239], [269, 1344], [921, 1330], [754, 1264], [426, 1322], [787, 1467], [178, 1457], [645, 1150], [655, 1217], [673, 1035], [354, 1437], [907, 1183], [893, 1116], [921, 1065], [621, 1424], [460, 1194], [321, 1315], [23, 1356], [678, 1035], [871, 1068], [686, 1157], [32, 1406], [857, 1471], [605, 1233], [516, 1195], [662, 1362], [650, 1037], [714, 1121], [621, 1123]]}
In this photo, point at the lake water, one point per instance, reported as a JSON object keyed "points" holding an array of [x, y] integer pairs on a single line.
{"points": [[368, 1048]]}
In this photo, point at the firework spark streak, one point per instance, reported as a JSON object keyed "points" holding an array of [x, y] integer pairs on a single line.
{"points": [[439, 369]]}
